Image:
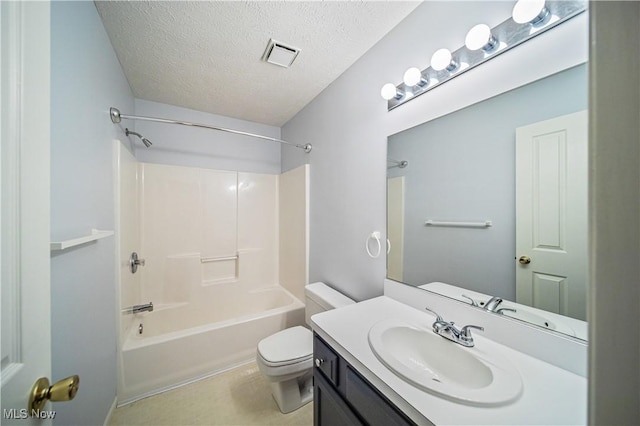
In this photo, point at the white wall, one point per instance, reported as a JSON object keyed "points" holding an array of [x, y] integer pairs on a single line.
{"points": [[348, 125], [196, 147], [461, 168], [86, 79]]}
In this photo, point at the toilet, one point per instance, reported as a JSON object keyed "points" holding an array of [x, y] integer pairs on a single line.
{"points": [[286, 357]]}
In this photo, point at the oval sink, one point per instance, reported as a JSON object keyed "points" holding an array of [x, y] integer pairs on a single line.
{"points": [[437, 365]]}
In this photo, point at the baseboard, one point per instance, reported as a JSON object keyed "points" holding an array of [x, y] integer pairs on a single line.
{"points": [[113, 407], [183, 383]]}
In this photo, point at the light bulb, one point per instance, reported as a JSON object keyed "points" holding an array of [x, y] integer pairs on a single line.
{"points": [[480, 37], [442, 59], [389, 91], [413, 76], [530, 11]]}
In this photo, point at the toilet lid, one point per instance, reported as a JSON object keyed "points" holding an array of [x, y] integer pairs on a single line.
{"points": [[287, 346]]}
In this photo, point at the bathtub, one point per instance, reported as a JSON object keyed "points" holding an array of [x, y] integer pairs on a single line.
{"points": [[182, 343]]}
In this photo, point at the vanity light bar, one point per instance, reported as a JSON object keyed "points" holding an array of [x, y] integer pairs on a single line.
{"points": [[500, 39]]}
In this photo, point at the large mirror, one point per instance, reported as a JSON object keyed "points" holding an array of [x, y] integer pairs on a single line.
{"points": [[488, 205]]}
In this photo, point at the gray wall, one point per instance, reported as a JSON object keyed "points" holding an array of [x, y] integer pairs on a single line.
{"points": [[461, 168], [348, 125], [195, 147], [86, 79]]}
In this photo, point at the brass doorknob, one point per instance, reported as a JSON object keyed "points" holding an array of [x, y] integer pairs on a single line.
{"points": [[62, 390], [524, 260]]}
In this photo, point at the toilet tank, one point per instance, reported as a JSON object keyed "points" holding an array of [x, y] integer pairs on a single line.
{"points": [[320, 297]]}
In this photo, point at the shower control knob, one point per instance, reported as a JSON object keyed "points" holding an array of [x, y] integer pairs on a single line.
{"points": [[134, 262], [319, 362]]}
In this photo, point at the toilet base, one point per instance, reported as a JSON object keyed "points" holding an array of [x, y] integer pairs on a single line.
{"points": [[293, 393]]}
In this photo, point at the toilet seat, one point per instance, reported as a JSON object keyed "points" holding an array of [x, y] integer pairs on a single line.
{"points": [[290, 346]]}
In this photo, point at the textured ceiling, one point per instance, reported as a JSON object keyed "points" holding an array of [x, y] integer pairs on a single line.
{"points": [[206, 55]]}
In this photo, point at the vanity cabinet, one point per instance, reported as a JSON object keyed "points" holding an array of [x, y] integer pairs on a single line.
{"points": [[343, 397]]}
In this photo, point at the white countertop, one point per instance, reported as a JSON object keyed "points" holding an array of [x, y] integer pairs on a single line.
{"points": [[551, 395]]}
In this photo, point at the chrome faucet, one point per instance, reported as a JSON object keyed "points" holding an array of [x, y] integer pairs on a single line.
{"points": [[147, 307], [492, 306], [136, 309], [449, 331]]}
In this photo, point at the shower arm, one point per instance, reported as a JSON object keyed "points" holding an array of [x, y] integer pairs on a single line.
{"points": [[116, 116], [397, 163], [131, 132]]}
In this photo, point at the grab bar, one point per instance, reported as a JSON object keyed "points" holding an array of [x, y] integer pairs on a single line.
{"points": [[217, 259], [485, 224]]}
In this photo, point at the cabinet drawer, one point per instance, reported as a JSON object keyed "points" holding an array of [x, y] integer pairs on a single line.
{"points": [[325, 360]]}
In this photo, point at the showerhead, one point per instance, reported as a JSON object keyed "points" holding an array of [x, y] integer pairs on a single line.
{"points": [[396, 163], [144, 140]]}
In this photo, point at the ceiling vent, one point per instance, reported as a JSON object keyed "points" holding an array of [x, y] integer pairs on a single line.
{"points": [[279, 54]]}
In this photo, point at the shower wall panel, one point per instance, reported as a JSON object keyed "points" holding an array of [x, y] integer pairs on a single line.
{"points": [[128, 230], [206, 231], [212, 241], [187, 215], [294, 230], [258, 229]]}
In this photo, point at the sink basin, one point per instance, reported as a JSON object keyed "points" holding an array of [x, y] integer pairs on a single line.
{"points": [[434, 364]]}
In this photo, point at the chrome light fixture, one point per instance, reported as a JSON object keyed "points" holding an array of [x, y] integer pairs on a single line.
{"points": [[390, 91], [480, 37], [534, 12], [442, 60], [482, 43], [413, 77]]}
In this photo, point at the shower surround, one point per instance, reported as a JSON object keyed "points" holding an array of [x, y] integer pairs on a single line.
{"points": [[225, 265]]}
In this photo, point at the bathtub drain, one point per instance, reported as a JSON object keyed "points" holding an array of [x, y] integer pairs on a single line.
{"points": [[140, 328]]}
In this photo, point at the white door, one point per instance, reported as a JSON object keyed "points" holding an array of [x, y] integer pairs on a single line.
{"points": [[395, 228], [551, 215], [24, 119]]}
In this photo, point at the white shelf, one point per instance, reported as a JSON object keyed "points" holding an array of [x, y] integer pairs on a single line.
{"points": [[95, 235]]}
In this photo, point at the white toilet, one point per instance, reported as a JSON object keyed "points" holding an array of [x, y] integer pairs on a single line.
{"points": [[286, 358]]}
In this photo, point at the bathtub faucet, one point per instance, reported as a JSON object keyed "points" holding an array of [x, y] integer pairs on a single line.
{"points": [[136, 309]]}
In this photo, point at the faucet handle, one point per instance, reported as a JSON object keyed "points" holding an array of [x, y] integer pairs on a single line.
{"points": [[134, 262], [501, 311], [471, 301], [466, 333], [438, 317]]}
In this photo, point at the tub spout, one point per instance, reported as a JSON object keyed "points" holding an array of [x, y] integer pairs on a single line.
{"points": [[136, 309], [147, 307]]}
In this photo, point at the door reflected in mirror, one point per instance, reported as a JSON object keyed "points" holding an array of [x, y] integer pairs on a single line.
{"points": [[493, 199]]}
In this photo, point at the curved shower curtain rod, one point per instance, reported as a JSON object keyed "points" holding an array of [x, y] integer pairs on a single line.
{"points": [[116, 116]]}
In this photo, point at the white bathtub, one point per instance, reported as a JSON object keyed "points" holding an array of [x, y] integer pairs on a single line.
{"points": [[180, 344]]}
